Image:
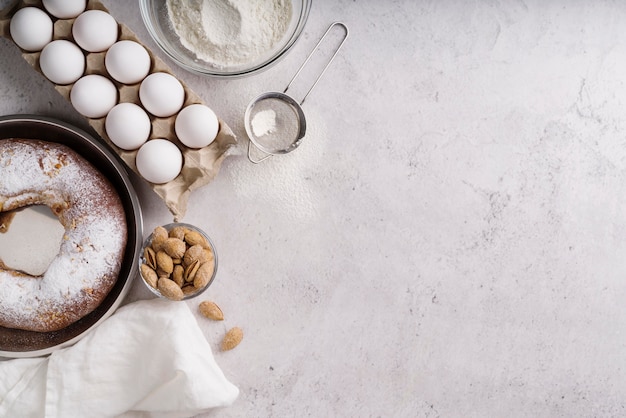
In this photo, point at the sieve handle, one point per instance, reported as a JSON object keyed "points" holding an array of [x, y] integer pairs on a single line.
{"points": [[311, 54], [252, 160]]}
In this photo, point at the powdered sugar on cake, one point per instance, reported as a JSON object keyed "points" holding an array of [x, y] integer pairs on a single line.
{"points": [[89, 259]]}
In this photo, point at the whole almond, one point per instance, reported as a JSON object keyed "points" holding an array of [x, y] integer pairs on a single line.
{"points": [[159, 235], [174, 247], [161, 273], [149, 275], [211, 310], [232, 338], [207, 255], [164, 262], [169, 289], [203, 275], [194, 253], [178, 275], [188, 289], [178, 232], [195, 238]]}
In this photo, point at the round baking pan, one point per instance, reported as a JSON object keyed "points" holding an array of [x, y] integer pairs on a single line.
{"points": [[20, 343]]}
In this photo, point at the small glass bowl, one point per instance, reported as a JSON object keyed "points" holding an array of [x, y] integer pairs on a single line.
{"points": [[168, 228], [155, 17]]}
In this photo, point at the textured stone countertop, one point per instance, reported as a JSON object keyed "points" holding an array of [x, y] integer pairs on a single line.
{"points": [[450, 238]]}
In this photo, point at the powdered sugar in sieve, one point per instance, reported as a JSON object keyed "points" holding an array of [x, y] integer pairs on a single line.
{"points": [[274, 121]]}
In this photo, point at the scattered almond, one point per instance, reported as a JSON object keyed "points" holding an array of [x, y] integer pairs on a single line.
{"points": [[232, 338], [211, 310]]}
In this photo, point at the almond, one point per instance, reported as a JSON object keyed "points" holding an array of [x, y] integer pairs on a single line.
{"points": [[174, 247], [149, 275], [211, 310], [164, 262], [150, 257], [191, 271], [207, 255], [169, 289], [203, 275], [159, 235], [161, 273], [178, 275], [188, 289], [232, 338], [178, 232], [193, 254], [195, 238]]}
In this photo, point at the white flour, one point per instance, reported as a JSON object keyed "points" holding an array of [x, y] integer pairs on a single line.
{"points": [[228, 33]]}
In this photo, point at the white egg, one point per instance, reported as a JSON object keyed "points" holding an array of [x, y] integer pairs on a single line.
{"points": [[31, 28], [196, 126], [93, 96], [159, 161], [127, 62], [65, 9], [161, 94], [128, 126], [95, 30], [62, 62]]}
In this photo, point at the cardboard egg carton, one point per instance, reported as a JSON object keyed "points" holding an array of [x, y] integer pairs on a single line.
{"points": [[200, 165]]}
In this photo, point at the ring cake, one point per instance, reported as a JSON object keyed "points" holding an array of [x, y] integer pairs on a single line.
{"points": [[34, 172]]}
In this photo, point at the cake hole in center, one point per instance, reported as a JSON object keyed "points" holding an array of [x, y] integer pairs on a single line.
{"points": [[30, 239]]}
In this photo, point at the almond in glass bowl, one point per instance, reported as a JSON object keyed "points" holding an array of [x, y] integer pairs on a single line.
{"points": [[178, 261]]}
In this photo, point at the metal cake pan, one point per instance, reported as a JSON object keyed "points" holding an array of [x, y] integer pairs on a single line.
{"points": [[19, 343]]}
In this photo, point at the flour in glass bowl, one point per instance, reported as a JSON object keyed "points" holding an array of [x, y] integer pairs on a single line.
{"points": [[227, 33]]}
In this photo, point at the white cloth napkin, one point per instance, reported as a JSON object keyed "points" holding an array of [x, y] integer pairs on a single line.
{"points": [[149, 359]]}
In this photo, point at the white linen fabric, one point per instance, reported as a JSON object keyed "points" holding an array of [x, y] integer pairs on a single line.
{"points": [[149, 359]]}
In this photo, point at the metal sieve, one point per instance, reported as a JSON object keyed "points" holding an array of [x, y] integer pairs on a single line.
{"points": [[274, 121]]}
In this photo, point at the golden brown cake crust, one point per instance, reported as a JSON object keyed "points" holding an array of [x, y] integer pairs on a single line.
{"points": [[92, 249]]}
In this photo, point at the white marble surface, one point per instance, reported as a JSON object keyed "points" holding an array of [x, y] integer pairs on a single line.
{"points": [[448, 241]]}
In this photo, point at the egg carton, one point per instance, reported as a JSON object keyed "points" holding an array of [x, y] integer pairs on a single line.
{"points": [[200, 166]]}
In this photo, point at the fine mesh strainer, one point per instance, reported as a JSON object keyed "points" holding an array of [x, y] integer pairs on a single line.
{"points": [[274, 121]]}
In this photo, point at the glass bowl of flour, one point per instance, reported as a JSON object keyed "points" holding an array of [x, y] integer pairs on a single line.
{"points": [[225, 38]]}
